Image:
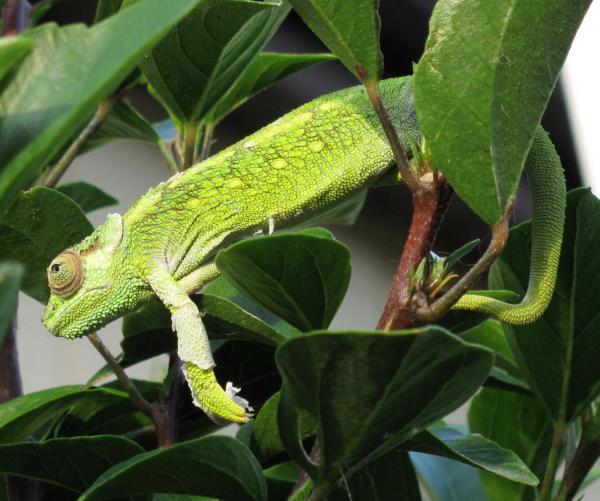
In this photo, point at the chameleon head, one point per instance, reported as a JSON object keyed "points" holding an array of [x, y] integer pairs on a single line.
{"points": [[87, 288]]}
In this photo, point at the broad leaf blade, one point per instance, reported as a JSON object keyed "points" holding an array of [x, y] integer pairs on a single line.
{"points": [[516, 422], [557, 354], [71, 463], [12, 50], [214, 466], [11, 275], [481, 88], [39, 225], [300, 277], [473, 450], [87, 196], [266, 70], [199, 60], [61, 81], [350, 32], [357, 385]]}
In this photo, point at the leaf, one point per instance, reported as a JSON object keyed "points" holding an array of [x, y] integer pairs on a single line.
{"points": [[392, 476], [124, 122], [11, 275], [215, 466], [300, 277], [106, 8], [38, 226], [516, 422], [12, 50], [266, 70], [483, 61], [22, 416], [357, 385], [71, 463], [87, 196], [557, 354], [63, 79], [352, 34], [447, 480], [198, 61], [473, 450]]}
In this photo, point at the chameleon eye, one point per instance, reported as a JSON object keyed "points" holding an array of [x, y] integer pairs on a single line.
{"points": [[65, 273]]}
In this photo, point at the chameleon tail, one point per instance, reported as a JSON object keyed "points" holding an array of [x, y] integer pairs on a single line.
{"points": [[210, 397], [547, 183]]}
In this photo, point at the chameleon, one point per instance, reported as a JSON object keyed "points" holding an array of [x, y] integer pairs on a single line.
{"points": [[315, 157]]}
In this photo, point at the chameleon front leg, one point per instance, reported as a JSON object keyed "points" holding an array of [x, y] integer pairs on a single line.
{"points": [[194, 350]]}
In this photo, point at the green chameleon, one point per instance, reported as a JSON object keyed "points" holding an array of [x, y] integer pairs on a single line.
{"points": [[305, 163]]}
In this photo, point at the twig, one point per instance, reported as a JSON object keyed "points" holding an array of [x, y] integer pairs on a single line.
{"points": [[73, 150], [429, 206], [10, 377], [207, 140], [189, 144], [372, 88], [171, 163], [137, 399], [15, 16], [553, 462], [499, 237]]}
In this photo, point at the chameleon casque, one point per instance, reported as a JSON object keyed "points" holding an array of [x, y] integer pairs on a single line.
{"points": [[308, 161]]}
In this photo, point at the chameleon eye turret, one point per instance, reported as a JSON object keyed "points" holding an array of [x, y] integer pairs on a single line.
{"points": [[65, 273]]}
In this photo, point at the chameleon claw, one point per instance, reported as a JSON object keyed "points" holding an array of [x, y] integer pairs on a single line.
{"points": [[220, 405]]}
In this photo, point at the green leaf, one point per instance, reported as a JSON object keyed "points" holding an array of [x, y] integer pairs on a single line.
{"points": [[447, 480], [63, 79], [198, 61], [71, 463], [12, 50], [106, 8], [392, 476], [87, 196], [357, 385], [39, 225], [11, 275], [300, 277], [215, 466], [22, 416], [481, 88], [124, 122], [557, 354], [473, 450], [350, 32], [518, 423], [266, 70]]}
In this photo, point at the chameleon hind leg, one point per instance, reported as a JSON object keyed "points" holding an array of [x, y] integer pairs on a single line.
{"points": [[194, 350]]}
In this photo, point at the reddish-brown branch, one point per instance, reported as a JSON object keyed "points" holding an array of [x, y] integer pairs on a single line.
{"points": [[15, 16], [429, 206]]}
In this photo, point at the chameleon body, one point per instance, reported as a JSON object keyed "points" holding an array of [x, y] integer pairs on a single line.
{"points": [[307, 162]]}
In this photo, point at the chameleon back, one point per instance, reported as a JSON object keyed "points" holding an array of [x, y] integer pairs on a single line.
{"points": [[308, 161]]}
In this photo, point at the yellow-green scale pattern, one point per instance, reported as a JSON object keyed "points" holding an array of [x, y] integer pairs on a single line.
{"points": [[309, 160]]}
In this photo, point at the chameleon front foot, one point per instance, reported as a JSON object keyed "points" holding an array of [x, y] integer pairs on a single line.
{"points": [[219, 405]]}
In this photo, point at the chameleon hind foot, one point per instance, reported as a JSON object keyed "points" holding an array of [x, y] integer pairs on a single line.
{"points": [[218, 404]]}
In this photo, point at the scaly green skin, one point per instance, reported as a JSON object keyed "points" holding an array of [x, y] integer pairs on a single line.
{"points": [[312, 159]]}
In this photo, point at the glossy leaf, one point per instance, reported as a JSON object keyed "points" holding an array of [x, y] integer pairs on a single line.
{"points": [[12, 50], [106, 8], [71, 463], [392, 476], [300, 277], [357, 385], [482, 85], [62, 80], [198, 61], [518, 423], [214, 466], [557, 354], [39, 225], [87, 196], [22, 416], [473, 450], [11, 275], [447, 480], [266, 70], [352, 34]]}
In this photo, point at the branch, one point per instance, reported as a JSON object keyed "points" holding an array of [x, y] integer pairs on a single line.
{"points": [[190, 132], [73, 150], [15, 16], [499, 237], [207, 141], [553, 462], [10, 378]]}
